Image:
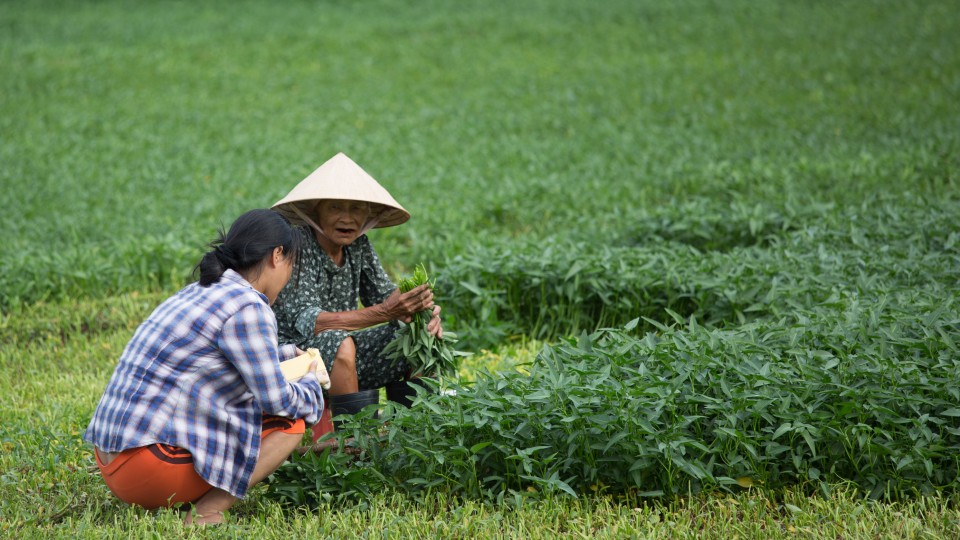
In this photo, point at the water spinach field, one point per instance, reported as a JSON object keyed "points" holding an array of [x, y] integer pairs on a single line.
{"points": [[705, 254]]}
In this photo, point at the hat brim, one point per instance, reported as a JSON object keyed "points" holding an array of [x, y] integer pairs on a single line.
{"points": [[341, 178], [385, 216]]}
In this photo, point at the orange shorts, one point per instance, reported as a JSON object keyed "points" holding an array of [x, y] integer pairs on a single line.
{"points": [[161, 475]]}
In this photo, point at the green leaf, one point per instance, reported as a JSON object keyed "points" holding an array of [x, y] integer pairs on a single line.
{"points": [[479, 446], [782, 429]]}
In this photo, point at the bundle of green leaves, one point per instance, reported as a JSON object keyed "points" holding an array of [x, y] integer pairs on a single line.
{"points": [[426, 354]]}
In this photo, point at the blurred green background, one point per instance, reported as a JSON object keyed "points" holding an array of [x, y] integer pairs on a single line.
{"points": [[130, 131]]}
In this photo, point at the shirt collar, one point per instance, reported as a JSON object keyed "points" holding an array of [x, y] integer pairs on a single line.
{"points": [[235, 277]]}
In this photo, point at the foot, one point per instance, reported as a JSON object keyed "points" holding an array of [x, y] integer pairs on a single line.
{"points": [[209, 518]]}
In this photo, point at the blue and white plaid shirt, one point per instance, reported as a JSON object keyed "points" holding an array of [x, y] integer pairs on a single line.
{"points": [[199, 374]]}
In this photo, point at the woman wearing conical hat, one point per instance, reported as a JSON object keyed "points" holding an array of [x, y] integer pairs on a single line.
{"points": [[335, 206]]}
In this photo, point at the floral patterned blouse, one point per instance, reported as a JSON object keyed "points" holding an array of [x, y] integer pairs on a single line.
{"points": [[317, 285]]}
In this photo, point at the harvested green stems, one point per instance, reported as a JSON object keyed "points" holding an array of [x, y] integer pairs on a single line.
{"points": [[426, 354]]}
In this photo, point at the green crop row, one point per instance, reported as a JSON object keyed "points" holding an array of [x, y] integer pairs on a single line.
{"points": [[812, 350], [721, 267], [859, 391]]}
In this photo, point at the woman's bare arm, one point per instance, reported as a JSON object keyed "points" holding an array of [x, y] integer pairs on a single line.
{"points": [[396, 307]]}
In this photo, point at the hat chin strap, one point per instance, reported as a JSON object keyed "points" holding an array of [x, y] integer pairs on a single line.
{"points": [[309, 221], [371, 222]]}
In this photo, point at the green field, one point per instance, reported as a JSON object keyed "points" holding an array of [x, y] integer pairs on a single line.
{"points": [[727, 230]]}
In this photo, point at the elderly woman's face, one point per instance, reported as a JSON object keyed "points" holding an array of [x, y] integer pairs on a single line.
{"points": [[342, 220]]}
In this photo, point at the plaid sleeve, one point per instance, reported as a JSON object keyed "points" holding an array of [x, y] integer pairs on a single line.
{"points": [[288, 351], [249, 341]]}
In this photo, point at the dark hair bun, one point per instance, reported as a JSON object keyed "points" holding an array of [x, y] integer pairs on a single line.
{"points": [[251, 238]]}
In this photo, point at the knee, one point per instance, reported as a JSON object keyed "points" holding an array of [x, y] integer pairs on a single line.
{"points": [[291, 441], [347, 355], [285, 443]]}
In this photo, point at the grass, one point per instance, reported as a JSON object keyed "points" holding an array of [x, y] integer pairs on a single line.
{"points": [[754, 516], [788, 166]]}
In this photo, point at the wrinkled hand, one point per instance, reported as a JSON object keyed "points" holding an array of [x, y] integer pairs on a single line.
{"points": [[434, 326], [404, 306]]}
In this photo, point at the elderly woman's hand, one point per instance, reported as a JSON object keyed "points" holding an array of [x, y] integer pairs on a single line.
{"points": [[434, 326], [403, 306]]}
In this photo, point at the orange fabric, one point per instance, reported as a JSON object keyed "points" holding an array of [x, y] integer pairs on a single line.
{"points": [[279, 423], [161, 475]]}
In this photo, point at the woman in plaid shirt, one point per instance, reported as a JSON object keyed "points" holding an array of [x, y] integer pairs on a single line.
{"points": [[197, 410]]}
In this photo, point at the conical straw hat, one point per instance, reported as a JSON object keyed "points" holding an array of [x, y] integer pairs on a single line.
{"points": [[341, 178]]}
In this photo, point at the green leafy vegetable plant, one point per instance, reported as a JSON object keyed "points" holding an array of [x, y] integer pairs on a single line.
{"points": [[426, 354]]}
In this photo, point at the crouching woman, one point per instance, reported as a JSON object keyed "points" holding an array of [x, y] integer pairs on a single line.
{"points": [[197, 410]]}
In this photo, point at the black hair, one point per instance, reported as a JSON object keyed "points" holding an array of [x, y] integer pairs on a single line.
{"points": [[251, 238]]}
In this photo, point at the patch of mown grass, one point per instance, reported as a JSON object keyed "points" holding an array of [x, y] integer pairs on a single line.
{"points": [[58, 322], [753, 516]]}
